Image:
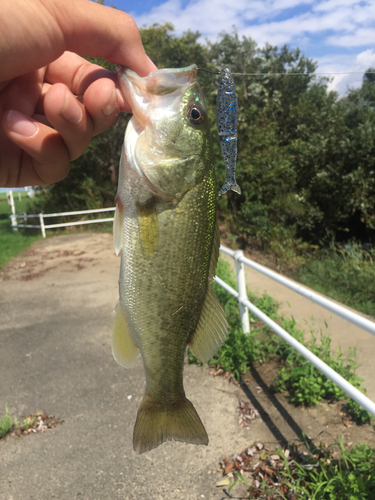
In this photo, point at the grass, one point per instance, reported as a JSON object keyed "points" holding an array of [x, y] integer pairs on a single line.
{"points": [[11, 242], [6, 423], [345, 273], [351, 477], [305, 384], [318, 476], [31, 423]]}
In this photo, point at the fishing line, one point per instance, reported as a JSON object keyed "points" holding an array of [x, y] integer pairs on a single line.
{"points": [[208, 71], [291, 74], [304, 74]]}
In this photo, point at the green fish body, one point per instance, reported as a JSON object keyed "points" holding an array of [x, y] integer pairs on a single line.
{"points": [[165, 228]]}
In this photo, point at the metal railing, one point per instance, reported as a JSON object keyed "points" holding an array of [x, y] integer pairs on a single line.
{"points": [[245, 306], [42, 226]]}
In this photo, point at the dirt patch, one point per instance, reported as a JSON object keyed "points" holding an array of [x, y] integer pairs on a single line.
{"points": [[44, 258]]}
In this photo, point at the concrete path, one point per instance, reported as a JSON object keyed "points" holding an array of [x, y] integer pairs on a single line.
{"points": [[55, 335]]}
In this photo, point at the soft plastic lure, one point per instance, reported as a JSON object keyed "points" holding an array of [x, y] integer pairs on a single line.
{"points": [[226, 120]]}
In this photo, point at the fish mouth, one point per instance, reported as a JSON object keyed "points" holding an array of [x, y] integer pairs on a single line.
{"points": [[160, 89], [140, 92]]}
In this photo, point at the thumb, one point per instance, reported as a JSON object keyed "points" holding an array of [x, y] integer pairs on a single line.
{"points": [[95, 30]]}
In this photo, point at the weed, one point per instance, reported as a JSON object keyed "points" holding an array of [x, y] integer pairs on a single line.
{"points": [[314, 475], [12, 243], [305, 384], [345, 273], [358, 414], [348, 478], [6, 423], [28, 422]]}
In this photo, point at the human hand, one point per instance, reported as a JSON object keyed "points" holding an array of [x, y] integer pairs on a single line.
{"points": [[52, 101]]}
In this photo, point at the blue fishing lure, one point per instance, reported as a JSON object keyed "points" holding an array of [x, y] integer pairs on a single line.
{"points": [[226, 120]]}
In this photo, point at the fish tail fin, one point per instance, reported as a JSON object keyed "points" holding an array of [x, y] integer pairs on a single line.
{"points": [[230, 185], [157, 423]]}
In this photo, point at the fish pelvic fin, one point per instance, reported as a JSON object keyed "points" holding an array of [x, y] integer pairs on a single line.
{"points": [[123, 348], [230, 186], [157, 423]]}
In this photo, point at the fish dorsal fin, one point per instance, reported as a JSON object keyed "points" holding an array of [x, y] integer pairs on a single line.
{"points": [[117, 226], [123, 348], [212, 328]]}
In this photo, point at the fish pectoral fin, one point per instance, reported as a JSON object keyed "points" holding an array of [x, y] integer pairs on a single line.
{"points": [[123, 348], [117, 227], [148, 227], [212, 329], [157, 423]]}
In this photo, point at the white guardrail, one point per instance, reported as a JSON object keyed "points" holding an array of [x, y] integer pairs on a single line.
{"points": [[244, 304], [42, 226]]}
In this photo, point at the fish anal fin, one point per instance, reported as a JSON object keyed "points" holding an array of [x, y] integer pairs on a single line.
{"points": [[212, 329], [123, 348], [157, 423], [117, 226], [148, 227]]}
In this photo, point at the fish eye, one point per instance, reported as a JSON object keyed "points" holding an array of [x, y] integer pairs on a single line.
{"points": [[195, 115]]}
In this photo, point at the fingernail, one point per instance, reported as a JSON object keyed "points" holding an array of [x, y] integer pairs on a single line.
{"points": [[20, 124], [110, 107], [72, 111]]}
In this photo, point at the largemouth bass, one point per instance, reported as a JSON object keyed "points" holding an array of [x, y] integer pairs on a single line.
{"points": [[165, 228]]}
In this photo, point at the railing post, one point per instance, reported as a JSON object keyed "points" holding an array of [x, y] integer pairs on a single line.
{"points": [[241, 287], [42, 228], [13, 217]]}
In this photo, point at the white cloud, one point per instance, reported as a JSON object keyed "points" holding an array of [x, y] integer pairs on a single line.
{"points": [[366, 59], [359, 38], [349, 69], [303, 23], [335, 4]]}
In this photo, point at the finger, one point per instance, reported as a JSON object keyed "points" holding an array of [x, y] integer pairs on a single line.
{"points": [[75, 72], [78, 75], [102, 102], [47, 158], [111, 34], [69, 117]]}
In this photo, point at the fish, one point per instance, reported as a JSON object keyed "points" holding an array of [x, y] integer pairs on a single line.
{"points": [[166, 231], [226, 121]]}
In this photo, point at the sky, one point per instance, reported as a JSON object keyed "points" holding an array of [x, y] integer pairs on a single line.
{"points": [[338, 35]]}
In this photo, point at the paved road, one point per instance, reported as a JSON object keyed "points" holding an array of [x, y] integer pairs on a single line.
{"points": [[55, 333]]}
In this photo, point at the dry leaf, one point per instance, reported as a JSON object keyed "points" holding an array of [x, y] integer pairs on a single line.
{"points": [[224, 482]]}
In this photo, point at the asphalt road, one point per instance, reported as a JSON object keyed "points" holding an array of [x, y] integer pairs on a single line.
{"points": [[56, 303]]}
